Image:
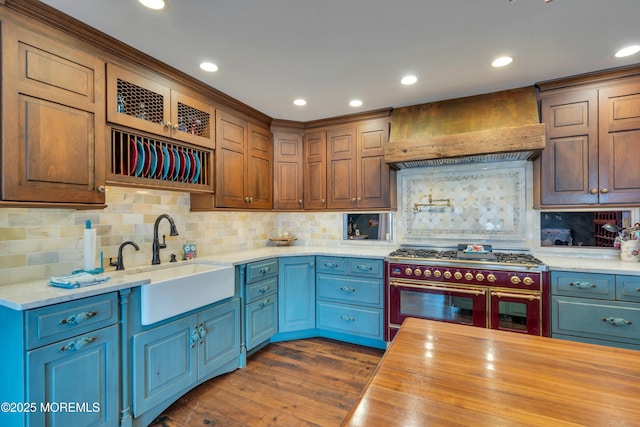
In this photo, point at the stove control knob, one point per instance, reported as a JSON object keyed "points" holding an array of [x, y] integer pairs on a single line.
{"points": [[468, 276], [417, 272], [491, 278], [408, 271], [527, 281], [447, 275], [479, 277], [437, 273], [457, 275], [427, 273], [515, 280]]}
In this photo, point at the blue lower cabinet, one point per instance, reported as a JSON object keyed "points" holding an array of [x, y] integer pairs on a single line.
{"points": [[350, 300], [81, 371], [296, 294], [170, 359], [164, 363], [261, 320]]}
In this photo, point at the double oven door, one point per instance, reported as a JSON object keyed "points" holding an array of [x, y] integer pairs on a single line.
{"points": [[480, 306]]}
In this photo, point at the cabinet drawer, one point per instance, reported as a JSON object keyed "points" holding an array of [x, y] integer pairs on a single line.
{"points": [[366, 267], [596, 318], [628, 288], [261, 270], [330, 264], [261, 289], [350, 289], [588, 285], [52, 323], [361, 321]]}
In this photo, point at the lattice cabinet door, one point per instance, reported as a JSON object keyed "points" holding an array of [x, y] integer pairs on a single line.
{"points": [[192, 120], [137, 101], [142, 103]]}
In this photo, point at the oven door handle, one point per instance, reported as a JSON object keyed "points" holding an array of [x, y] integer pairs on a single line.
{"points": [[475, 292], [529, 297]]}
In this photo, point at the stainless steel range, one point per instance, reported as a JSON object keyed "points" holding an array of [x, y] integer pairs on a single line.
{"points": [[472, 285]]}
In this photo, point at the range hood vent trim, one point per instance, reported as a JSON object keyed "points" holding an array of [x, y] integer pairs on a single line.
{"points": [[504, 144]]}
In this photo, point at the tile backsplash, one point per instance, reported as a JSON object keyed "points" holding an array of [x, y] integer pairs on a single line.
{"points": [[38, 243]]}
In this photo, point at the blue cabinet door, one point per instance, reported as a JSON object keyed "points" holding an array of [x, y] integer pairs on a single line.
{"points": [[81, 371], [261, 320], [296, 294], [164, 363], [220, 330]]}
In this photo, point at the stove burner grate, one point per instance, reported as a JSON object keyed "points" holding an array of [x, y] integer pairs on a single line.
{"points": [[435, 254]]}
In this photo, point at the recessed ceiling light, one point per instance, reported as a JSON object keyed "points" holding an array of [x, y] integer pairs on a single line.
{"points": [[502, 61], [627, 51], [153, 4], [355, 103], [300, 102], [209, 66], [409, 80]]}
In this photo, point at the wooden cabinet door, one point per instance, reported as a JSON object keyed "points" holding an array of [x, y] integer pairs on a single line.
{"points": [[259, 172], [296, 294], [315, 170], [341, 168], [221, 342], [138, 101], [53, 121], [192, 120], [83, 370], [288, 174], [163, 363], [569, 163], [231, 137], [619, 143], [373, 173]]}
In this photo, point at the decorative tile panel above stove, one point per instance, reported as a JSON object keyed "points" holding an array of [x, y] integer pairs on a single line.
{"points": [[477, 203]]}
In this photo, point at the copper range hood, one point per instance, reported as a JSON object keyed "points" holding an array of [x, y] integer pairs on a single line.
{"points": [[498, 126]]}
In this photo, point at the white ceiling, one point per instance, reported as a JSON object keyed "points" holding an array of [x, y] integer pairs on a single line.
{"points": [[331, 51]]}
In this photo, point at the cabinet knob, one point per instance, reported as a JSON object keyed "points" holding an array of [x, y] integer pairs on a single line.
{"points": [[322, 201], [167, 125], [593, 191], [299, 201], [604, 191], [353, 199], [101, 189], [246, 199]]}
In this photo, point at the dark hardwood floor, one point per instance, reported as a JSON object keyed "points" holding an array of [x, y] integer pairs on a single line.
{"points": [[312, 382]]}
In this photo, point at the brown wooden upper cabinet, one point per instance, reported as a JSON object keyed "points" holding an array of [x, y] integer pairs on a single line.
{"points": [[288, 167], [357, 175], [593, 145], [145, 103], [244, 175], [315, 170], [53, 109]]}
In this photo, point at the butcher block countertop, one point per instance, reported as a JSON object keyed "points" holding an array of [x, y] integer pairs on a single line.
{"points": [[443, 374]]}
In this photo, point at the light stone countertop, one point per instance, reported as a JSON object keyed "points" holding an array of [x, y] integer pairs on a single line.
{"points": [[38, 293]]}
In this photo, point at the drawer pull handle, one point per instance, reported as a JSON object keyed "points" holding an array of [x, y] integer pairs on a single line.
{"points": [[347, 289], [264, 303], [616, 321], [582, 285], [77, 344], [78, 318], [265, 270], [348, 318], [330, 264], [264, 289], [364, 267]]}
